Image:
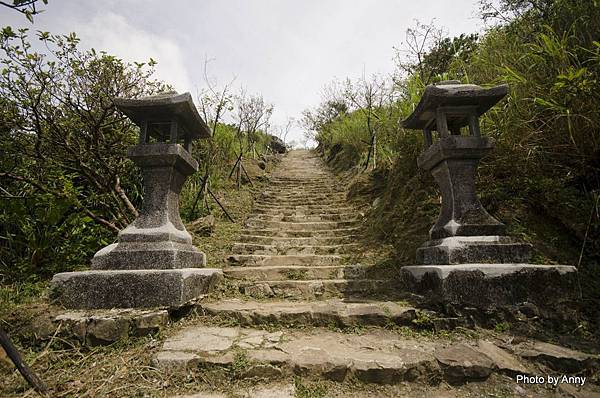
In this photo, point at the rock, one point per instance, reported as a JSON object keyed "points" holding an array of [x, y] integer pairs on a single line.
{"points": [[276, 144], [461, 363], [530, 310], [259, 290], [262, 371], [101, 331], [149, 323], [175, 360], [557, 357], [203, 226], [73, 326], [578, 392], [503, 360]]}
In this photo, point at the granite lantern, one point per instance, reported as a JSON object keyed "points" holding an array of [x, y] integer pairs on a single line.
{"points": [[464, 231], [470, 263], [153, 262]]}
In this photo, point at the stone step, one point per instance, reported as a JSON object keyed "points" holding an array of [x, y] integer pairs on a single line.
{"points": [[255, 248], [313, 178], [375, 355], [300, 226], [298, 217], [301, 233], [294, 190], [379, 356], [314, 209], [302, 196], [281, 260], [313, 240], [298, 272], [321, 289], [302, 202], [330, 312]]}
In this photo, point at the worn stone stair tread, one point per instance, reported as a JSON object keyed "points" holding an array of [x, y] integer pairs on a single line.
{"points": [[375, 355], [316, 313], [321, 289], [299, 217], [273, 232], [285, 259], [256, 248], [301, 225], [296, 272], [301, 209], [312, 240], [378, 356]]}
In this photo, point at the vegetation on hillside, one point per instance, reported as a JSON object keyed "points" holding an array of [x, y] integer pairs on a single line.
{"points": [[543, 180], [66, 185]]}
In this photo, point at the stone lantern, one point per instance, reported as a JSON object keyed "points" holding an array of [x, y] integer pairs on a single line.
{"points": [[464, 231], [469, 264], [153, 262]]}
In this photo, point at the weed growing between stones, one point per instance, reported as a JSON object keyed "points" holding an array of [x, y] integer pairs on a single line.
{"points": [[305, 389]]}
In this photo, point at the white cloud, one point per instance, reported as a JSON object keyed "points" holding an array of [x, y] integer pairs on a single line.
{"points": [[286, 50], [114, 34]]}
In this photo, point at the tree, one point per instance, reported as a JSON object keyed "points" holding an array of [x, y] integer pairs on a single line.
{"points": [[369, 97], [214, 104], [62, 142], [254, 114], [283, 130], [25, 7], [419, 41]]}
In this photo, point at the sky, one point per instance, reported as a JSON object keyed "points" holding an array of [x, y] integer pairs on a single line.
{"points": [[285, 50]]}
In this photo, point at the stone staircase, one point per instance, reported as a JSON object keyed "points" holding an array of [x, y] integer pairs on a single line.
{"points": [[299, 308], [295, 242]]}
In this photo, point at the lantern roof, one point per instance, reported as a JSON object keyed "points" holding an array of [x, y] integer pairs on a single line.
{"points": [[453, 94], [164, 108]]}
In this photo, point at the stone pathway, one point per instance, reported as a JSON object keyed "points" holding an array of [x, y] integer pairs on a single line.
{"points": [[306, 312], [294, 243]]}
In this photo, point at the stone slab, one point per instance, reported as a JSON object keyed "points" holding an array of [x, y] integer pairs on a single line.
{"points": [[148, 255], [461, 363], [473, 249], [132, 288], [377, 357], [100, 327], [557, 357], [316, 313], [486, 286], [489, 270]]}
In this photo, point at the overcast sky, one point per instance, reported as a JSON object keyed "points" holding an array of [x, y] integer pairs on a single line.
{"points": [[286, 50]]}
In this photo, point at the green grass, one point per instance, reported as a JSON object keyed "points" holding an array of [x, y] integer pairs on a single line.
{"points": [[304, 389]]}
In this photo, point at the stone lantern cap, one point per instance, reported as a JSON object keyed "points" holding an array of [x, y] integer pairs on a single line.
{"points": [[473, 99], [169, 109]]}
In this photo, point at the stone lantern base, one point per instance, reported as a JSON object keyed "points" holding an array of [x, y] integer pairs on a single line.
{"points": [[132, 288], [552, 291], [473, 250]]}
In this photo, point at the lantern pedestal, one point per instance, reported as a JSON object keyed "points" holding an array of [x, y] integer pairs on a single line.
{"points": [[464, 231], [132, 288], [157, 239]]}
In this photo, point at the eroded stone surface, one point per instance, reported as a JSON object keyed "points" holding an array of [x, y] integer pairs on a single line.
{"points": [[107, 326], [557, 357], [378, 356], [503, 360], [461, 363], [318, 313]]}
